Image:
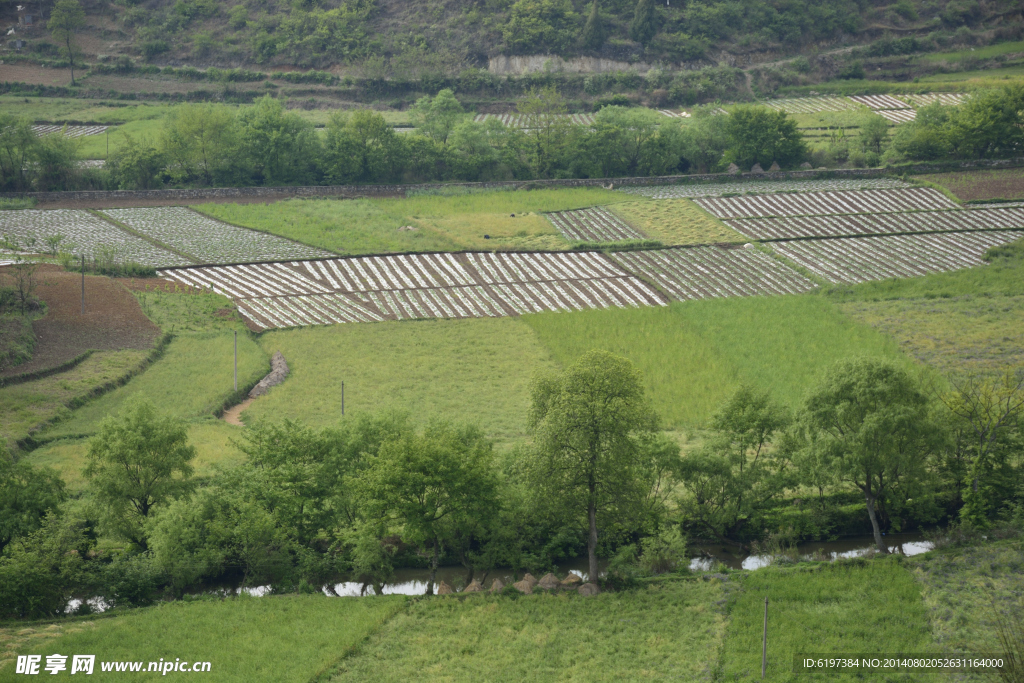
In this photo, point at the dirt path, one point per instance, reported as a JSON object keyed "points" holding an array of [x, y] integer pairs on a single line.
{"points": [[233, 415]]}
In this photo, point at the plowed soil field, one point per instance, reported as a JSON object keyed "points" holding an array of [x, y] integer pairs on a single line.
{"points": [[1005, 183], [113, 319]]}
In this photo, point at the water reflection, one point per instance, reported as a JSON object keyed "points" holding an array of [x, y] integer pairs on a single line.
{"points": [[855, 546], [414, 581]]}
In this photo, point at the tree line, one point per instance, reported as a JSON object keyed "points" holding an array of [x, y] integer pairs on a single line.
{"points": [[598, 478]]}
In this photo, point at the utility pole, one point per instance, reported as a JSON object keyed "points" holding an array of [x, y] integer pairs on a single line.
{"points": [[764, 641], [236, 360], [83, 284], [342, 398]]}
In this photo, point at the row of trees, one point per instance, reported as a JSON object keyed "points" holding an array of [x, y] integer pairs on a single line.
{"points": [[598, 476], [264, 144]]}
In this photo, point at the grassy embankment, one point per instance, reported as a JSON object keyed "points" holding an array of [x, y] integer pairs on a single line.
{"points": [[442, 222], [282, 638]]}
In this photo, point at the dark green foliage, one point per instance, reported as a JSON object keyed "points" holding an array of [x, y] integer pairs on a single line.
{"points": [[40, 572], [540, 26], [852, 71], [27, 495], [764, 136], [593, 35], [644, 24]]}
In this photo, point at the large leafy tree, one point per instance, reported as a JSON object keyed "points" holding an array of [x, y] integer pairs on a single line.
{"points": [[593, 34], [644, 25], [280, 147], [705, 140], [66, 19], [138, 461], [760, 135], [737, 473], [596, 440], [434, 486], [869, 421], [27, 495], [201, 140], [438, 116]]}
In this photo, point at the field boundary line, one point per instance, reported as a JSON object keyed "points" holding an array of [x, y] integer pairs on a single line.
{"points": [[796, 267], [145, 238], [30, 442], [46, 372], [328, 671]]}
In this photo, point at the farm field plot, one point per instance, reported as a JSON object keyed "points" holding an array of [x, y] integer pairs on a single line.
{"points": [[593, 225], [879, 101], [86, 234], [826, 203], [1004, 183], [676, 221], [859, 259], [810, 105], [866, 224], [897, 115], [523, 121], [674, 115], [371, 289], [951, 99], [207, 240], [69, 131], [708, 272], [764, 187]]}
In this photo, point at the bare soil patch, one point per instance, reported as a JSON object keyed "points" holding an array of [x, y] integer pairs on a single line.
{"points": [[113, 319], [1005, 183], [36, 75]]}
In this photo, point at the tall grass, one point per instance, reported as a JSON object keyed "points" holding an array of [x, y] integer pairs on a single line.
{"points": [[464, 370], [668, 632], [278, 638], [676, 221], [694, 354], [849, 607], [363, 226]]}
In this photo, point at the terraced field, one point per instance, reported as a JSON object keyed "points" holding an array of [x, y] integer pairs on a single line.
{"points": [[210, 241], [824, 203], [866, 224], [84, 234], [764, 187], [69, 131], [275, 295], [880, 102], [848, 260], [710, 272], [897, 115], [523, 121], [593, 225], [811, 105]]}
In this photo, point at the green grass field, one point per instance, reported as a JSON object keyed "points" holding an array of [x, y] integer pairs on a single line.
{"points": [[676, 221], [670, 631], [99, 146], [192, 379], [694, 354], [985, 52], [280, 638], [475, 371], [962, 588], [851, 607], [60, 109], [442, 222]]}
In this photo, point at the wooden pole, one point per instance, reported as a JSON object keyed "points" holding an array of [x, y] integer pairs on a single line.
{"points": [[764, 641], [342, 398], [236, 360], [83, 284]]}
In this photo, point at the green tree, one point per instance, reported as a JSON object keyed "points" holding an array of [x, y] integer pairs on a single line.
{"points": [[548, 129], [595, 434], [362, 147], [201, 140], [633, 141], [593, 35], [705, 140], [280, 147], [437, 117], [645, 24], [39, 573], [27, 495], [138, 461], [136, 165], [18, 146], [870, 422], [760, 135], [433, 485], [737, 474], [66, 19], [874, 133]]}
